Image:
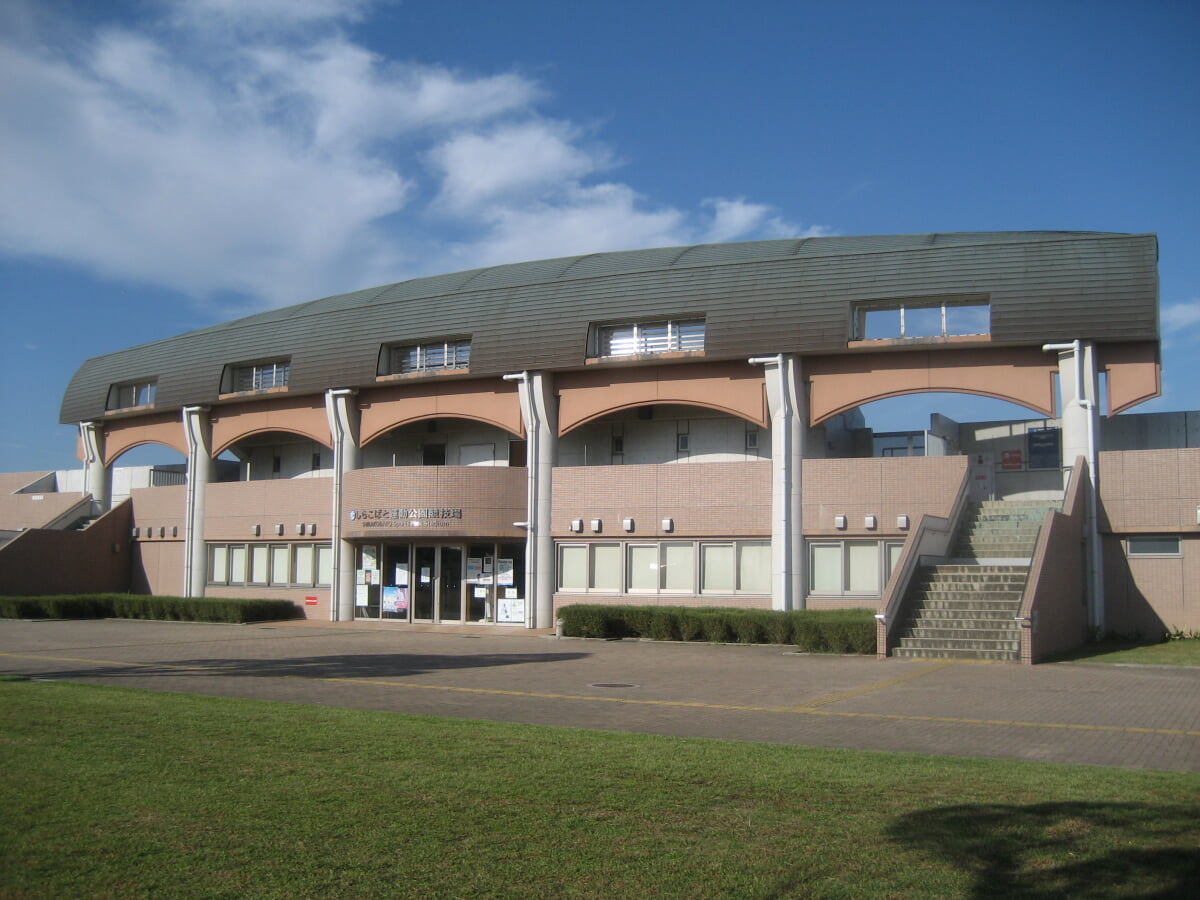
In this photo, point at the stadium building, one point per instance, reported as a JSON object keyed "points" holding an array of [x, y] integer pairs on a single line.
{"points": [[667, 426]]}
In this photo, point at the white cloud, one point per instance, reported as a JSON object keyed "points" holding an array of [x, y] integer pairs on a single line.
{"points": [[291, 162], [1179, 316]]}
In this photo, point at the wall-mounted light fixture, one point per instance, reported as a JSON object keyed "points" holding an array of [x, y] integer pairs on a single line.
{"points": [[901, 521], [256, 530], [597, 526], [135, 533], [839, 522], [312, 529], [668, 525], [627, 524], [174, 531], [279, 528], [577, 525], [300, 528], [869, 522], [162, 531]]}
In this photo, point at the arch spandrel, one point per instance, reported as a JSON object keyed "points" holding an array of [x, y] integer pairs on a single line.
{"points": [[304, 417], [389, 408], [732, 388], [121, 436], [1021, 375]]}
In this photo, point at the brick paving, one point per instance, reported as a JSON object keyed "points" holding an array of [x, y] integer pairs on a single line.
{"points": [[1131, 716]]}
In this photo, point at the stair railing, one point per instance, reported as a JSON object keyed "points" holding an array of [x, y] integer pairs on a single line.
{"points": [[932, 536]]}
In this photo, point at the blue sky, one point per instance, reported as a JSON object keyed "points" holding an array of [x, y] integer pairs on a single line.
{"points": [[165, 165]]}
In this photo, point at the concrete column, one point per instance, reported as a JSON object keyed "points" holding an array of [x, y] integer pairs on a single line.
{"points": [[197, 432], [788, 407], [343, 415], [539, 412], [1079, 387], [97, 479]]}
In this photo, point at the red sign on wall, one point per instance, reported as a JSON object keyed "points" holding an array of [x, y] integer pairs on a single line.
{"points": [[310, 601], [1011, 459]]}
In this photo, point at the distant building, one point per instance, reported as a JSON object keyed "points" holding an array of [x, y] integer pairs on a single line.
{"points": [[674, 426]]}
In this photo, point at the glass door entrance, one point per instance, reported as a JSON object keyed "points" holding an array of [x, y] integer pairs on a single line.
{"points": [[438, 584]]}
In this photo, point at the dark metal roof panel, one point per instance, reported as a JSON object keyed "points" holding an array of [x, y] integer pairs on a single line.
{"points": [[762, 296]]}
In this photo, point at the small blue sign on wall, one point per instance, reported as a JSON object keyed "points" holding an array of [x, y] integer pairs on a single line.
{"points": [[1044, 448]]}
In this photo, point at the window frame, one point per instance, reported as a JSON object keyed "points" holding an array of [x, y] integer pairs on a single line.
{"points": [[143, 394], [454, 354], [887, 554], [861, 311], [643, 338], [1133, 539], [229, 553], [662, 553], [252, 377]]}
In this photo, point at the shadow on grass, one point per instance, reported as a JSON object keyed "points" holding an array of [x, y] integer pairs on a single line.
{"points": [[345, 666], [1099, 648], [1063, 849]]}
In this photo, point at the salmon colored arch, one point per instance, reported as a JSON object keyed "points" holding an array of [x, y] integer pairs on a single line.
{"points": [[123, 436], [738, 414], [304, 416], [394, 407], [1022, 375], [323, 440], [368, 438], [735, 389]]}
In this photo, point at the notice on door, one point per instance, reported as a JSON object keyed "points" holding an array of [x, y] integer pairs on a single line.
{"points": [[395, 600], [504, 573]]}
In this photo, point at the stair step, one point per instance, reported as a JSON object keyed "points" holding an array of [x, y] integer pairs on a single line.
{"points": [[923, 653], [921, 635], [1013, 643]]}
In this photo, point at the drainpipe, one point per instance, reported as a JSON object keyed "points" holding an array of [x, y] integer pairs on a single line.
{"points": [[1095, 559]]}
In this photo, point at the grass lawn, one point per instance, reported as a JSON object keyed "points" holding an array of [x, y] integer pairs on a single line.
{"points": [[110, 792], [1167, 653]]}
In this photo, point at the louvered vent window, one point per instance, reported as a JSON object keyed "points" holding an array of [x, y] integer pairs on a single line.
{"points": [[430, 357], [670, 336], [127, 396], [261, 376]]}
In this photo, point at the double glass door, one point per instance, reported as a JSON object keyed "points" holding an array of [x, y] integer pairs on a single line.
{"points": [[437, 584]]}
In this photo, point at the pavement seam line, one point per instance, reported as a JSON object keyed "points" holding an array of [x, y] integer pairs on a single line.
{"points": [[683, 704], [870, 688]]}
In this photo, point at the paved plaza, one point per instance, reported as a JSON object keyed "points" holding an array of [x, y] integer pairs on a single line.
{"points": [[1133, 716]]}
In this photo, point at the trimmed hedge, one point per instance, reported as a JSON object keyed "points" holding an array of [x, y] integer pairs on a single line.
{"points": [[813, 631], [142, 606]]}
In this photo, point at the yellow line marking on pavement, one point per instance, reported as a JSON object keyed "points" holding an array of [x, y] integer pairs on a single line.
{"points": [[809, 710], [868, 688]]}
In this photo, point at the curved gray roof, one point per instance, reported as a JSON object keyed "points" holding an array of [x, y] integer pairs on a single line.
{"points": [[757, 297]]}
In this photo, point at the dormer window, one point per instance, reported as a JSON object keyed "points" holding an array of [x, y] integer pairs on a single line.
{"points": [[131, 394], [259, 376], [430, 356], [922, 319], [637, 338]]}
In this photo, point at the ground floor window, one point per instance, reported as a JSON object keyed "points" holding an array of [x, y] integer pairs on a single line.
{"points": [[477, 581], [838, 568], [274, 565], [665, 567]]}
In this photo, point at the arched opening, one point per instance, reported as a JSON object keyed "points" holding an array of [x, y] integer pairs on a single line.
{"points": [[268, 455], [655, 434], [444, 441], [145, 465]]}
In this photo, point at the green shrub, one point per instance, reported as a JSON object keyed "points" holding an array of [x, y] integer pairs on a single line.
{"points": [[143, 606]]}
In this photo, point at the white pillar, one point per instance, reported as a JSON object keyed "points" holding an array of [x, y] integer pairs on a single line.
{"points": [[97, 480], [1079, 388], [198, 435], [788, 408], [540, 416], [343, 426]]}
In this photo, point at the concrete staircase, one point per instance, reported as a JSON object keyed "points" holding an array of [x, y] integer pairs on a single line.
{"points": [[964, 607]]}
